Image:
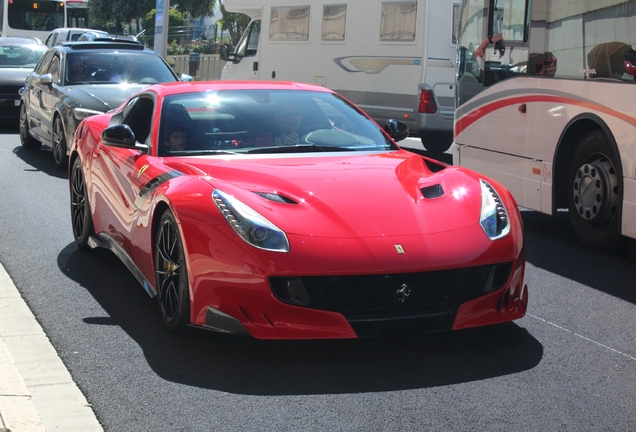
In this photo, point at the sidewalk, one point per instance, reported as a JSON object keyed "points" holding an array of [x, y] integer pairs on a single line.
{"points": [[37, 392]]}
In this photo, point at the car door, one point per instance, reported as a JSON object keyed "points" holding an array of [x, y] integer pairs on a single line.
{"points": [[48, 96], [120, 173], [31, 98]]}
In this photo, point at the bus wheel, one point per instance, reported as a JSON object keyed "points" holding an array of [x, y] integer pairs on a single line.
{"points": [[436, 142], [596, 193]]}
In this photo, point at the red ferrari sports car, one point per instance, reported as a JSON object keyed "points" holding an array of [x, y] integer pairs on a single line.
{"points": [[282, 211]]}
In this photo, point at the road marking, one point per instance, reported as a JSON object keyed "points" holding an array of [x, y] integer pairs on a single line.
{"points": [[582, 337]]}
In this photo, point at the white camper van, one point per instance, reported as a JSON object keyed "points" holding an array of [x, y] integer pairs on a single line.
{"points": [[393, 58]]}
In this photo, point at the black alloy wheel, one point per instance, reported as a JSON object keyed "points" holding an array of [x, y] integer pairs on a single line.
{"points": [[59, 143], [80, 209], [26, 139], [171, 275], [596, 193]]}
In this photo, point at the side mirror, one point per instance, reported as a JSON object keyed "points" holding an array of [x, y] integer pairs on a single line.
{"points": [[186, 78], [226, 55], [121, 135], [396, 129], [45, 80]]}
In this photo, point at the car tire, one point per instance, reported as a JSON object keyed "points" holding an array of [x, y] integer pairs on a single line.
{"points": [[171, 275], [81, 218], [436, 142], [595, 193], [25, 136], [59, 143]]}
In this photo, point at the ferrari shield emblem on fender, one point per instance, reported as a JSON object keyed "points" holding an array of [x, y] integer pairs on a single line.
{"points": [[142, 170], [399, 248]]}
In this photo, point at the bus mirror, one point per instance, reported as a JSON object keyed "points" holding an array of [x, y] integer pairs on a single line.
{"points": [[396, 129]]}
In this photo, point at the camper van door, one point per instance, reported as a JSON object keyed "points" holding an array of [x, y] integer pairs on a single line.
{"points": [[245, 67]]}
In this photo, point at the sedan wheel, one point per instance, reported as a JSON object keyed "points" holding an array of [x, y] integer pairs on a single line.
{"points": [[59, 143], [80, 210], [171, 275], [25, 137]]}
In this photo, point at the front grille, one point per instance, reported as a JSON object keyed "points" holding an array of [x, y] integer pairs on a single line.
{"points": [[11, 91], [392, 296]]}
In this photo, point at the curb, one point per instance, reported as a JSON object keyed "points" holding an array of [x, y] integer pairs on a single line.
{"points": [[37, 393]]}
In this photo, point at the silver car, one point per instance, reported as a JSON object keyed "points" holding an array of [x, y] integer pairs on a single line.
{"points": [[18, 57], [76, 80]]}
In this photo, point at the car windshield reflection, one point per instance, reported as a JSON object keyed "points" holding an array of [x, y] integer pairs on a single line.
{"points": [[265, 121], [20, 56]]}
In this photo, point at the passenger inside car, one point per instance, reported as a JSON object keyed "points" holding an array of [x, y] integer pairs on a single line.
{"points": [[77, 70]]}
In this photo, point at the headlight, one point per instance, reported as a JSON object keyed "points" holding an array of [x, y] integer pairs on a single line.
{"points": [[251, 226], [494, 217], [81, 113]]}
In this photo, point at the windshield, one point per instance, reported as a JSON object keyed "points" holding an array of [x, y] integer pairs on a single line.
{"points": [[20, 56], [116, 67], [265, 121]]}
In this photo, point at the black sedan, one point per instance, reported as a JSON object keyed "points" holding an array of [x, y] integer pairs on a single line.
{"points": [[18, 57], [76, 80]]}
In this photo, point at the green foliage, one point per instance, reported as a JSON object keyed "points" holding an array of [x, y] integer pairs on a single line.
{"points": [[196, 8], [107, 14], [175, 19], [198, 46]]}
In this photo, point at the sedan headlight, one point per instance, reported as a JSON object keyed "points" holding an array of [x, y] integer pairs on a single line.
{"points": [[494, 217], [82, 113], [251, 226]]}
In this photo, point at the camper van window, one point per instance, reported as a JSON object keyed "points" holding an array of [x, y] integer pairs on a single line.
{"points": [[289, 24], [248, 45], [333, 22], [397, 22]]}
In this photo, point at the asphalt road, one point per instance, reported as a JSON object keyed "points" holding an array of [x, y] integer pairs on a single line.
{"points": [[569, 365]]}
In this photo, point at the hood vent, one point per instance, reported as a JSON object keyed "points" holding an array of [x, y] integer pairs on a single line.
{"points": [[434, 191], [276, 197]]}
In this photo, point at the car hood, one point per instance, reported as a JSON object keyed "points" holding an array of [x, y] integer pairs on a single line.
{"points": [[13, 77], [101, 97], [369, 195]]}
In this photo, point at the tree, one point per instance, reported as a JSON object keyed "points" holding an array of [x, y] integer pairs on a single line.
{"points": [[196, 8], [234, 23], [175, 20], [107, 14]]}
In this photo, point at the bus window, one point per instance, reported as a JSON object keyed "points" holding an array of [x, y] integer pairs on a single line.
{"points": [[26, 18]]}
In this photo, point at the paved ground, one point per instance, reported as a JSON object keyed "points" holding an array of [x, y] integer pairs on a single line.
{"points": [[37, 392]]}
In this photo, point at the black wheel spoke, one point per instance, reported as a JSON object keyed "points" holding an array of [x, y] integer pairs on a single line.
{"points": [[171, 279], [81, 221]]}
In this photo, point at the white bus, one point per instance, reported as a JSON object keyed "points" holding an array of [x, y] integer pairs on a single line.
{"points": [[549, 111], [77, 13], [395, 58], [32, 18]]}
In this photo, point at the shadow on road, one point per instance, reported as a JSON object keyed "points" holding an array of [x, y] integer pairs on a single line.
{"points": [[248, 366], [41, 160], [552, 245]]}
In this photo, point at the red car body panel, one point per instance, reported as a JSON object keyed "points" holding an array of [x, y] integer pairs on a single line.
{"points": [[352, 212]]}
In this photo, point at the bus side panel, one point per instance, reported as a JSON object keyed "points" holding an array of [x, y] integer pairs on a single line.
{"points": [[509, 170], [629, 208]]}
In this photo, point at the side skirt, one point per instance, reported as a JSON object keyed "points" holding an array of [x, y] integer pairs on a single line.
{"points": [[105, 241]]}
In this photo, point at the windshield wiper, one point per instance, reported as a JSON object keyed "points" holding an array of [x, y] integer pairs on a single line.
{"points": [[298, 148], [201, 152]]}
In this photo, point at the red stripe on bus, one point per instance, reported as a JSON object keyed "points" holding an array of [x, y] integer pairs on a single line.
{"points": [[482, 111]]}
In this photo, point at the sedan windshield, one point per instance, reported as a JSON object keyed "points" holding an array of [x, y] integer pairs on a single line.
{"points": [[20, 56], [116, 67], [265, 121]]}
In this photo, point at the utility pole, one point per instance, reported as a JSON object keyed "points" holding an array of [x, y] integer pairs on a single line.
{"points": [[161, 27]]}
